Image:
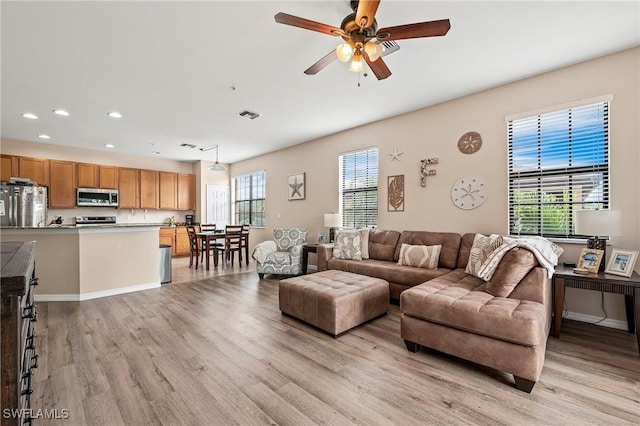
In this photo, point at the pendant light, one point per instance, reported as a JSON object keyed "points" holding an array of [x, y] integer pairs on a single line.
{"points": [[217, 167]]}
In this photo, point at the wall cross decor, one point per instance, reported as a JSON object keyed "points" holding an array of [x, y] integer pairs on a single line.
{"points": [[424, 172]]}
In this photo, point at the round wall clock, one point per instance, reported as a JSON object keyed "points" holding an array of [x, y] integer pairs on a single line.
{"points": [[470, 142], [468, 193]]}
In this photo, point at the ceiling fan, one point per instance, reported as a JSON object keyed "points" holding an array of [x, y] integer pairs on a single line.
{"points": [[359, 30]]}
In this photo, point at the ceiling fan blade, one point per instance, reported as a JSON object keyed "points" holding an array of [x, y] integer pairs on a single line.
{"points": [[417, 30], [366, 12], [295, 21], [318, 66], [378, 67]]}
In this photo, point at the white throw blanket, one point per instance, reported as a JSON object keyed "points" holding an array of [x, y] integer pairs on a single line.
{"points": [[544, 250], [262, 250]]}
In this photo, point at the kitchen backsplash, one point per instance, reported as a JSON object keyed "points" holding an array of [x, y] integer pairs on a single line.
{"points": [[122, 215]]}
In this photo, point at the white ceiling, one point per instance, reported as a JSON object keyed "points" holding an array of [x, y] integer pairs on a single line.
{"points": [[170, 67]]}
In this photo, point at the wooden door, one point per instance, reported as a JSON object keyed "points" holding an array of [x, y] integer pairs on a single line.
{"points": [[168, 190], [149, 189], [8, 167], [62, 187], [87, 175], [182, 242], [186, 192], [128, 188], [108, 177], [168, 236], [36, 169]]}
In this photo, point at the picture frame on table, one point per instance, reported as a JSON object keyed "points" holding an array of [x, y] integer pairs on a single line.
{"points": [[622, 262], [590, 260], [296, 186], [321, 237]]}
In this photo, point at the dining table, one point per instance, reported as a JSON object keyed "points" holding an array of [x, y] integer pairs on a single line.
{"points": [[209, 237]]}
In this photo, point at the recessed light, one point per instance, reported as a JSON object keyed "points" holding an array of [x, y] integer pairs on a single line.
{"points": [[61, 112], [43, 136], [108, 145], [114, 114], [30, 116]]}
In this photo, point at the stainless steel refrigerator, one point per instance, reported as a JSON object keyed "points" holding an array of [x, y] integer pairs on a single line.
{"points": [[23, 206]]}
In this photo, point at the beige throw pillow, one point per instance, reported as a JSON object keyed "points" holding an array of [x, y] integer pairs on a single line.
{"points": [[347, 245], [364, 242], [419, 256], [482, 247]]}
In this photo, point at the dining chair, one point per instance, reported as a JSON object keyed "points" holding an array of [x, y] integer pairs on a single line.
{"points": [[194, 247], [232, 244], [246, 227], [209, 227]]}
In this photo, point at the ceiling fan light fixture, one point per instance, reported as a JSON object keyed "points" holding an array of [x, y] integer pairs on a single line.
{"points": [[357, 65], [344, 52], [374, 50]]}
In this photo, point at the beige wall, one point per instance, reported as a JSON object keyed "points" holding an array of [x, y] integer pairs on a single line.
{"points": [[434, 132], [205, 177]]}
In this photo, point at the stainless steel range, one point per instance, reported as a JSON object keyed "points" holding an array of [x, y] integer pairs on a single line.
{"points": [[95, 220]]}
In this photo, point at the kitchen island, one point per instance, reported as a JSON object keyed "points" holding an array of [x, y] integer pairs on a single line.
{"points": [[81, 263]]}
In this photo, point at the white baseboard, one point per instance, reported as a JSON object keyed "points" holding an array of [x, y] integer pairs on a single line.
{"points": [[611, 323], [93, 295]]}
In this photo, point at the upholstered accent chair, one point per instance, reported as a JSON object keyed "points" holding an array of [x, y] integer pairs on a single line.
{"points": [[283, 255]]}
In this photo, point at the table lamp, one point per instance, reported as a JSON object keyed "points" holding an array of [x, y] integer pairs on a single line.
{"points": [[332, 221], [598, 223]]}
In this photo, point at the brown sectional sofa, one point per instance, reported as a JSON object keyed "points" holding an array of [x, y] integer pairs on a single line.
{"points": [[449, 310]]}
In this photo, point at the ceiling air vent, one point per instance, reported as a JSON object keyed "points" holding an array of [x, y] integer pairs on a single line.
{"points": [[187, 145], [249, 114], [389, 47]]}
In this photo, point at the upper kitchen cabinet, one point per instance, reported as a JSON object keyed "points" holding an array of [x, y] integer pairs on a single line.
{"points": [[108, 177], [62, 186], [8, 167], [129, 188], [186, 192], [36, 169], [168, 190], [149, 189], [88, 175]]}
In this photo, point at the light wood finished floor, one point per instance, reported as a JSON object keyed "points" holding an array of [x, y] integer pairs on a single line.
{"points": [[218, 351]]}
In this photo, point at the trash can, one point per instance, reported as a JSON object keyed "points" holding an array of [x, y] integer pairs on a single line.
{"points": [[165, 263]]}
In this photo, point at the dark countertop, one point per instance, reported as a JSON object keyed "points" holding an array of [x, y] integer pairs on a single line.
{"points": [[106, 225]]}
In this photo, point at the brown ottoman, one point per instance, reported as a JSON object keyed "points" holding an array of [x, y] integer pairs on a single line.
{"points": [[333, 300]]}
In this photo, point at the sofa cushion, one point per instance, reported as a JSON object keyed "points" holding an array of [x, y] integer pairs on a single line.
{"points": [[449, 241], [347, 245], [364, 242], [458, 300], [482, 247], [382, 244], [465, 248], [513, 267], [419, 256], [388, 271]]}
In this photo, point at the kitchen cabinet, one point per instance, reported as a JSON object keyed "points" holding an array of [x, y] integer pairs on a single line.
{"points": [[186, 191], [168, 236], [36, 169], [129, 188], [149, 189], [182, 241], [168, 190], [88, 175], [8, 167], [62, 185], [108, 177]]}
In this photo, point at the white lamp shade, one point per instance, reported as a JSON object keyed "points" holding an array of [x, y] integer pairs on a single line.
{"points": [[332, 220], [598, 222]]}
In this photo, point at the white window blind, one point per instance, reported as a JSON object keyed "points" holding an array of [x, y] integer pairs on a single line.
{"points": [[249, 199], [558, 163], [359, 188]]}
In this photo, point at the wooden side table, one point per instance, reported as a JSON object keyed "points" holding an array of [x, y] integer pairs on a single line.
{"points": [[306, 249], [630, 287]]}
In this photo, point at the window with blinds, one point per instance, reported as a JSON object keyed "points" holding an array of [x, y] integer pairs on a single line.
{"points": [[249, 198], [558, 163], [359, 188]]}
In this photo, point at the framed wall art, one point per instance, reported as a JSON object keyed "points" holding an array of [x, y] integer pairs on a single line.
{"points": [[622, 262], [395, 193], [590, 260], [296, 187]]}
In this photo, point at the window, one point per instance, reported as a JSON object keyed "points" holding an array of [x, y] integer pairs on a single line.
{"points": [[359, 188], [558, 163], [248, 199]]}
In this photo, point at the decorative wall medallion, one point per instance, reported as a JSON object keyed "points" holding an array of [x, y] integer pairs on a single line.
{"points": [[470, 142], [468, 193], [395, 193], [395, 155]]}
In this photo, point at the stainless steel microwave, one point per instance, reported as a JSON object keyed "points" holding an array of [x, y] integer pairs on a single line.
{"points": [[92, 197]]}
